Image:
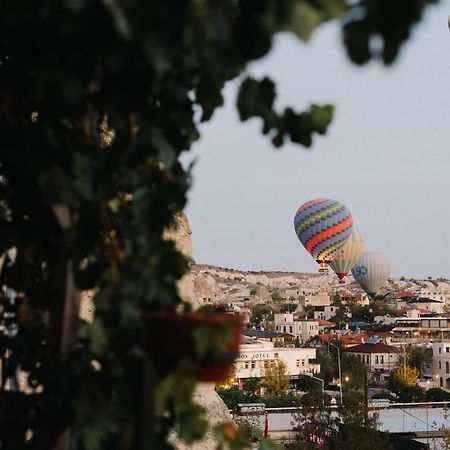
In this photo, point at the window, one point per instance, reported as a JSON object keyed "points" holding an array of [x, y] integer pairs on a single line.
{"points": [[440, 350], [447, 368], [440, 366], [447, 349], [290, 329], [253, 364], [441, 382], [297, 363], [303, 363], [376, 359], [284, 329], [246, 365], [276, 355], [382, 359]]}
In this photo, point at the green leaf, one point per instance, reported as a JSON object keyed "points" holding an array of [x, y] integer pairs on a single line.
{"points": [[256, 98], [305, 19], [192, 425]]}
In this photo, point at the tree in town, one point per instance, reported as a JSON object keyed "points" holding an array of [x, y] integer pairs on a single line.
{"points": [[261, 313], [318, 427], [276, 295], [275, 380], [406, 375], [403, 382], [253, 292], [410, 394], [380, 308], [437, 395], [419, 357], [354, 372], [233, 395], [326, 365], [357, 429], [98, 100]]}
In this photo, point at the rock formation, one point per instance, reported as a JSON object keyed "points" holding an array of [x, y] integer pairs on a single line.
{"points": [[205, 394]]}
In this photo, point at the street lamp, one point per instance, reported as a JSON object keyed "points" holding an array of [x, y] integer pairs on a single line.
{"points": [[339, 367], [308, 374]]}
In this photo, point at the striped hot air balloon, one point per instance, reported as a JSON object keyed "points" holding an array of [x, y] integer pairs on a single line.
{"points": [[323, 226], [349, 254]]}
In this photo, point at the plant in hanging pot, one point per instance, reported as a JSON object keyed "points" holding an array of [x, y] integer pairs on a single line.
{"points": [[205, 343]]}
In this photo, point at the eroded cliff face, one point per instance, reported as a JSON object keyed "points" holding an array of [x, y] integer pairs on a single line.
{"points": [[181, 235], [205, 395]]}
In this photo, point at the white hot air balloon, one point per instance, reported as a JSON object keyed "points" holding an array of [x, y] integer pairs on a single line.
{"points": [[349, 254], [371, 271]]}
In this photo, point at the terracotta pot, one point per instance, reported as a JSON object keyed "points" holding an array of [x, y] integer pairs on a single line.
{"points": [[170, 339]]}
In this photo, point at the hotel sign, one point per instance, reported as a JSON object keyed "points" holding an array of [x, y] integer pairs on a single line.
{"points": [[257, 356]]}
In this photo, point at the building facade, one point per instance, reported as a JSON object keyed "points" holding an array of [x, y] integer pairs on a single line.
{"points": [[378, 357], [255, 357], [325, 312], [304, 329], [421, 329], [441, 365]]}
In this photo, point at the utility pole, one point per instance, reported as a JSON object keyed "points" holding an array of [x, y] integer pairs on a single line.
{"points": [[404, 362], [366, 396], [339, 369]]}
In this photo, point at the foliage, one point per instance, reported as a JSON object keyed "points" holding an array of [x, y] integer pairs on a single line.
{"points": [[232, 396], [443, 442], [288, 399], [98, 99], [252, 385], [230, 437], [276, 296], [354, 372], [419, 357], [410, 394], [275, 379], [326, 365], [253, 292], [381, 308], [406, 375], [260, 313], [437, 395], [317, 427], [288, 307], [307, 383], [384, 395], [309, 311]]}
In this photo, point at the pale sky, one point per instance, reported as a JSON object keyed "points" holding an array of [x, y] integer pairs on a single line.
{"points": [[386, 157]]}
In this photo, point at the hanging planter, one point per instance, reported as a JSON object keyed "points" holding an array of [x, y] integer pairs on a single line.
{"points": [[207, 342]]}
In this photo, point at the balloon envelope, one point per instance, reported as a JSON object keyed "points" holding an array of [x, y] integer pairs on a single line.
{"points": [[349, 254], [371, 271], [322, 226]]}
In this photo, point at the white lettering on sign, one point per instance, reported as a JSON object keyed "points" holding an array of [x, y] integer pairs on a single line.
{"points": [[257, 356]]}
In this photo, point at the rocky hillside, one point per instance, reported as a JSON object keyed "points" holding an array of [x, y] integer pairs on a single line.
{"points": [[216, 284]]}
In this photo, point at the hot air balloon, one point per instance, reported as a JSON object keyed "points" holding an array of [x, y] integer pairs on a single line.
{"points": [[371, 271], [349, 254], [323, 226]]}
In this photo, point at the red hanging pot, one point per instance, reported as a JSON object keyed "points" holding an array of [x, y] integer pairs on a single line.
{"points": [[172, 338]]}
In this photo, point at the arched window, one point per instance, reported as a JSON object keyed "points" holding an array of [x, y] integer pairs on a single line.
{"points": [[284, 329], [447, 368]]}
